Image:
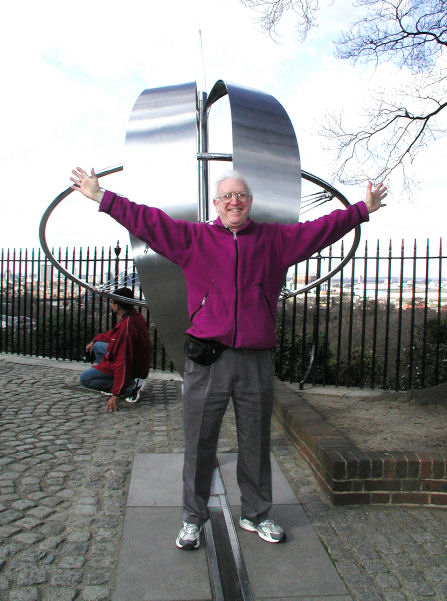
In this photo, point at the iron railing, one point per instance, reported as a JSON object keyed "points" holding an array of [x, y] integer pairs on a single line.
{"points": [[45, 314], [380, 322]]}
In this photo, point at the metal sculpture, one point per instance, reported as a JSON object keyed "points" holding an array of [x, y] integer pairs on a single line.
{"points": [[166, 142]]}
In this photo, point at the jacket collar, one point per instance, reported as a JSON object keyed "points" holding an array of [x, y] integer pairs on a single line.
{"points": [[246, 227]]}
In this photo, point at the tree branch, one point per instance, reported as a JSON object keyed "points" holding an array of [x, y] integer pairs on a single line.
{"points": [[410, 33]]}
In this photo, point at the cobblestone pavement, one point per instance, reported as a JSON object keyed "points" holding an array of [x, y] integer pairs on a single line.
{"points": [[65, 468]]}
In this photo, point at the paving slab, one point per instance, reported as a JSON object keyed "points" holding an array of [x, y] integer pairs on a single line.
{"points": [[150, 567], [156, 480], [300, 568], [297, 569]]}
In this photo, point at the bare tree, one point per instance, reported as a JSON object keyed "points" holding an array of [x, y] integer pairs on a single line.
{"points": [[413, 33], [273, 10], [401, 121]]}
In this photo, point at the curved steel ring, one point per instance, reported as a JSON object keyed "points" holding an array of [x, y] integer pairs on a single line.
{"points": [[307, 176], [345, 202], [51, 258]]}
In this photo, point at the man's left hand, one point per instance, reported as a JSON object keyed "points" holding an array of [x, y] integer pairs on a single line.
{"points": [[374, 197], [113, 403]]}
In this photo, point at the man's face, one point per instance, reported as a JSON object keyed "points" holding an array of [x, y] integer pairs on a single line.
{"points": [[232, 211]]}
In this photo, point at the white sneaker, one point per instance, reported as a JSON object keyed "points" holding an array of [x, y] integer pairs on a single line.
{"points": [[135, 396], [189, 537], [267, 530]]}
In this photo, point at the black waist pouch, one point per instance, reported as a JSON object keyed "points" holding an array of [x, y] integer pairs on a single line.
{"points": [[201, 351]]}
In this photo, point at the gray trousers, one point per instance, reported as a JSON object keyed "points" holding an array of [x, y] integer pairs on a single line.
{"points": [[246, 376]]}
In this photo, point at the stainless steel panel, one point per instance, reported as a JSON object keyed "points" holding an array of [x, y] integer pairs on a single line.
{"points": [[265, 151], [161, 171]]}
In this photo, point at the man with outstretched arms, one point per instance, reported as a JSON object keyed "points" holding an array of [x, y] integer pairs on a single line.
{"points": [[234, 269]]}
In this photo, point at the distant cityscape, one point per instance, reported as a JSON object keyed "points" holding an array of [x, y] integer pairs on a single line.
{"points": [[47, 283], [382, 288]]}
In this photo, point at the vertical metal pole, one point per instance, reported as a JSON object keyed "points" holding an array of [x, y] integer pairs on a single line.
{"points": [[311, 368], [95, 301], [25, 304], [387, 320], [340, 319], [125, 274], [399, 313], [101, 303], [117, 251], [20, 321], [412, 319], [351, 321], [38, 312], [109, 277], [64, 327], [304, 330], [438, 320], [305, 316], [46, 331], [85, 338], [293, 357], [32, 308], [364, 313], [53, 327], [72, 308], [79, 292], [202, 148], [13, 302], [316, 329], [424, 337], [376, 312], [58, 305], [326, 325]]}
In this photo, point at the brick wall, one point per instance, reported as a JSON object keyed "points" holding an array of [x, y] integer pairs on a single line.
{"points": [[351, 476]]}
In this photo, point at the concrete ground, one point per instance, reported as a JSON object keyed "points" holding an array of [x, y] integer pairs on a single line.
{"points": [[65, 472]]}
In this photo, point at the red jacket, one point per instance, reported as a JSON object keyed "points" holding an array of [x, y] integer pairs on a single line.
{"points": [[128, 352]]}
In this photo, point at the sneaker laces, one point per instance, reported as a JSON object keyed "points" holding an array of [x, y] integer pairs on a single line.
{"points": [[190, 528], [270, 525]]}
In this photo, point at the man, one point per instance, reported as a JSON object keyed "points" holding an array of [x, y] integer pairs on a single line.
{"points": [[233, 268], [123, 354]]}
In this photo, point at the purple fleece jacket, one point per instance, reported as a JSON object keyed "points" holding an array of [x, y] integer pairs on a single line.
{"points": [[233, 281]]}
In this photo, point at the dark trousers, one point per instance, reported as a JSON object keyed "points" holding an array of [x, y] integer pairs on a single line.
{"points": [[93, 378], [246, 376]]}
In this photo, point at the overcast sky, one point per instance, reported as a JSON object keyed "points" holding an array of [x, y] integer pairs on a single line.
{"points": [[72, 72]]}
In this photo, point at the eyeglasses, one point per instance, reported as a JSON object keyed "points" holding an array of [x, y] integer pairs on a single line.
{"points": [[239, 196]]}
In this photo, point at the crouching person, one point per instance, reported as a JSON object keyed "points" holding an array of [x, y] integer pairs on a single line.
{"points": [[123, 355]]}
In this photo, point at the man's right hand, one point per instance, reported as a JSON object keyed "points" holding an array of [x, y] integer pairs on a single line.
{"points": [[87, 184], [113, 404]]}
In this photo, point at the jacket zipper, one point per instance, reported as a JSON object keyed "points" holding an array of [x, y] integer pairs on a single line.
{"points": [[236, 289]]}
